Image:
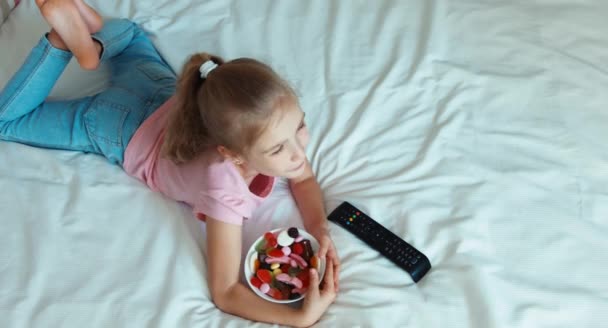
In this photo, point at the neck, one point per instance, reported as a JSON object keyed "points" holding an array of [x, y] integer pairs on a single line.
{"points": [[247, 173]]}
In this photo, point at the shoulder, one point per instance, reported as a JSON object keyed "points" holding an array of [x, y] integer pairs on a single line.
{"points": [[222, 173]]}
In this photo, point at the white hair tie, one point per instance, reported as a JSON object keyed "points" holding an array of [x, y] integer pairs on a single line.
{"points": [[206, 68]]}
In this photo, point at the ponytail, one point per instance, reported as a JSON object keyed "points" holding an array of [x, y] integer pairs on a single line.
{"points": [[228, 105], [186, 135]]}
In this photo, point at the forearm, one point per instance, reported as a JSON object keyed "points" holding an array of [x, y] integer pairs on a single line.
{"points": [[309, 199], [243, 302]]}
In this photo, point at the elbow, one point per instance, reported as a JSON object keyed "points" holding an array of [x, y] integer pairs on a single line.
{"points": [[221, 298]]}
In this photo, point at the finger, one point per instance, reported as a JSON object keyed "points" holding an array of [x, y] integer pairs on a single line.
{"points": [[329, 276], [336, 266], [337, 275], [314, 281], [334, 256]]}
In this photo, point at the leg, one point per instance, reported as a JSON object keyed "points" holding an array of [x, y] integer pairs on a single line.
{"points": [[26, 118], [135, 63], [138, 72], [91, 18], [104, 123], [97, 124], [32, 83], [65, 17], [123, 43], [55, 125]]}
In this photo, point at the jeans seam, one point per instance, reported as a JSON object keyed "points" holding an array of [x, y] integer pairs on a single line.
{"points": [[48, 51], [24, 84], [41, 145], [60, 55]]}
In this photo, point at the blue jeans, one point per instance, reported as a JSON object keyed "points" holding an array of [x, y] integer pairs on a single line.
{"points": [[140, 82]]}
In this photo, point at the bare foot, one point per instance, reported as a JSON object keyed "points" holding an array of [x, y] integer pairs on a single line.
{"points": [[64, 17], [91, 17]]}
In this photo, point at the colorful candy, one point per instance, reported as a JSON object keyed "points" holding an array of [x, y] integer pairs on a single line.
{"points": [[273, 252], [298, 248], [283, 259], [284, 239], [262, 256], [275, 293], [297, 283], [265, 288], [314, 262], [269, 236], [293, 271], [301, 262], [308, 253], [271, 239], [261, 246], [264, 275], [256, 281], [281, 267], [293, 232], [304, 275], [285, 289]]}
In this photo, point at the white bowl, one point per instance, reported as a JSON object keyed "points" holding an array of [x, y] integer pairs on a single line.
{"points": [[252, 256]]}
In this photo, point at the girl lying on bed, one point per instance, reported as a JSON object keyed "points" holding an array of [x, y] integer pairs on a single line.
{"points": [[217, 140]]}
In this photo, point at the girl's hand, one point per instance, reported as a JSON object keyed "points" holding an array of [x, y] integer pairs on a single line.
{"points": [[328, 251], [317, 300]]}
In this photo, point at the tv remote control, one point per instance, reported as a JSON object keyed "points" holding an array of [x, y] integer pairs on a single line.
{"points": [[381, 239]]}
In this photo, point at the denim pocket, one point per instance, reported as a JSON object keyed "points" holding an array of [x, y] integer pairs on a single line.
{"points": [[105, 121]]}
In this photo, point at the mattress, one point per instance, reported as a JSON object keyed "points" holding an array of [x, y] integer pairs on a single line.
{"points": [[6, 6], [475, 130]]}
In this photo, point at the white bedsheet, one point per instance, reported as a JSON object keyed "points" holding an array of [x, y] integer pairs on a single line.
{"points": [[475, 130]]}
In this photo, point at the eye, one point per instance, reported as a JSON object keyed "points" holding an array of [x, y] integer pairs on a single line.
{"points": [[302, 125], [280, 149]]}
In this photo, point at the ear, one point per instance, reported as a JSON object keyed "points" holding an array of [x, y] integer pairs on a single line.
{"points": [[229, 155], [224, 152]]}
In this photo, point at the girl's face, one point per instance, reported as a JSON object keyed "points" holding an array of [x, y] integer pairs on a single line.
{"points": [[280, 149]]}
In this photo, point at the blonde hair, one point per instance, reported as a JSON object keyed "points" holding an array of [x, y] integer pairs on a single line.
{"points": [[231, 107]]}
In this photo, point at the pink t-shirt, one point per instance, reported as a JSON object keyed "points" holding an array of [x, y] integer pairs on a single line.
{"points": [[211, 185]]}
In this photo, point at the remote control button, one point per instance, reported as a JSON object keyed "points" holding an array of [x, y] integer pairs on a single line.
{"points": [[379, 238]]}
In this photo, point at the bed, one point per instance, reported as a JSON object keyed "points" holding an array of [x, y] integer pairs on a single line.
{"points": [[475, 130]]}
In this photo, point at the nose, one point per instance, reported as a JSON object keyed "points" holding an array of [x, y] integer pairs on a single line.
{"points": [[298, 153]]}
